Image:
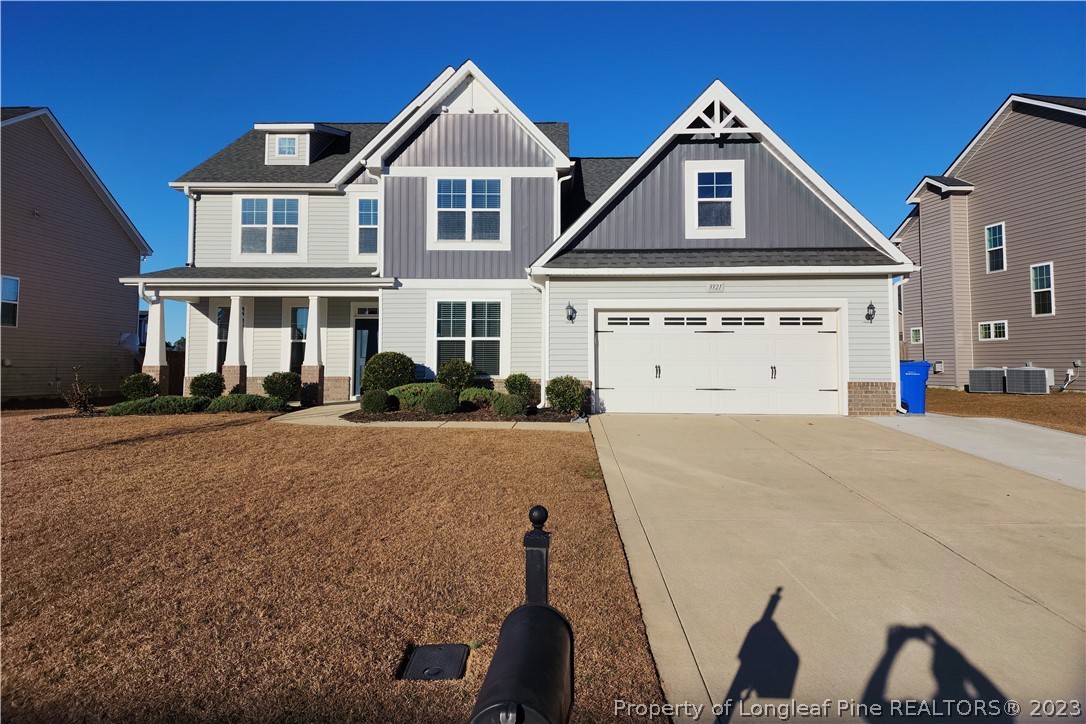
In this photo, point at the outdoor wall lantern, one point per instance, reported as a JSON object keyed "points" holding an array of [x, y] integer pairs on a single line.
{"points": [[870, 316], [571, 313]]}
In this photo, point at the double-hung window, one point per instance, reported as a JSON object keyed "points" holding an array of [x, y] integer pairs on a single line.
{"points": [[1043, 288], [476, 339], [994, 248], [367, 226], [274, 220], [9, 308], [992, 330], [469, 210], [714, 201]]}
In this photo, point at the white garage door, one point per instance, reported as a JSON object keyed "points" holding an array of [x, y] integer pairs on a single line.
{"points": [[731, 362]]}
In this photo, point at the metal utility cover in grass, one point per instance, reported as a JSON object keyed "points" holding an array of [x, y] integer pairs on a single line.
{"points": [[438, 661]]}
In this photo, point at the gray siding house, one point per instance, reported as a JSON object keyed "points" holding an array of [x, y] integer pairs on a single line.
{"points": [[65, 242], [716, 272], [1001, 237]]}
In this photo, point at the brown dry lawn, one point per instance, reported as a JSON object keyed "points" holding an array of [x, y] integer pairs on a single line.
{"points": [[1060, 411], [209, 568]]}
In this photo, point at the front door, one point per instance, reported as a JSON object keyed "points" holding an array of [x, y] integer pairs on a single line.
{"points": [[365, 346]]}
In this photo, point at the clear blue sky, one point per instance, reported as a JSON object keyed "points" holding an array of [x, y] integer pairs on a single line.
{"points": [[873, 96]]}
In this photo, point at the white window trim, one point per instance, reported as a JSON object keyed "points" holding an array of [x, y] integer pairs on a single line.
{"points": [[489, 295], [504, 243], [1003, 235], [352, 210], [738, 229], [284, 332], [991, 325], [17, 302], [1051, 289], [213, 330], [268, 257], [271, 149], [919, 335]]}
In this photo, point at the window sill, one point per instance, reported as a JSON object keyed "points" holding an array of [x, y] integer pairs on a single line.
{"points": [[730, 232], [468, 246]]}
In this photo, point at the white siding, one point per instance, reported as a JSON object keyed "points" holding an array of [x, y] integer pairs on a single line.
{"points": [[403, 324], [196, 343], [870, 345], [213, 229], [338, 338], [527, 332], [329, 235], [268, 337]]}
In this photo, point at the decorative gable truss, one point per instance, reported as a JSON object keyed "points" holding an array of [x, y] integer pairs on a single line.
{"points": [[718, 113]]}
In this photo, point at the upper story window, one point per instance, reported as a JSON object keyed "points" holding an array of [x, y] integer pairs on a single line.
{"points": [[9, 307], [367, 226], [1042, 284], [714, 199], [916, 335], [286, 146], [269, 225], [994, 248], [470, 213]]}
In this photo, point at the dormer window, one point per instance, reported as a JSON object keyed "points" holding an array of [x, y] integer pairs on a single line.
{"points": [[715, 203], [286, 146], [290, 149]]}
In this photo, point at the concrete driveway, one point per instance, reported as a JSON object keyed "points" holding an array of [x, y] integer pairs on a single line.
{"points": [[862, 529]]}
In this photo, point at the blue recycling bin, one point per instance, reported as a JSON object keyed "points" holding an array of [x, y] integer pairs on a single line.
{"points": [[914, 385]]}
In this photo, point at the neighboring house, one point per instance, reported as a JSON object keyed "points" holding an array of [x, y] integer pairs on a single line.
{"points": [[1001, 237], [65, 241], [714, 273]]}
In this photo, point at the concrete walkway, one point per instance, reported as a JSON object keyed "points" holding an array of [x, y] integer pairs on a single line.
{"points": [[1052, 454], [330, 415], [760, 546]]}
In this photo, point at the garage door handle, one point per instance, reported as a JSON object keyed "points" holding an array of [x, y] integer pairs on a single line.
{"points": [[657, 371], [773, 372]]}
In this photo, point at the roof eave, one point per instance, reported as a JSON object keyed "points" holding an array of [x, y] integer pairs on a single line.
{"points": [[718, 271]]}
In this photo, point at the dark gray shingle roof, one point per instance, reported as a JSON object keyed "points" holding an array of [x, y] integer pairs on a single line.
{"points": [[363, 273], [599, 173], [243, 160], [666, 258], [1069, 101], [949, 181], [8, 112]]}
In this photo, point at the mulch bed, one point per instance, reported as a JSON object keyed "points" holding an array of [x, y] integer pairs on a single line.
{"points": [[1060, 410], [483, 415], [207, 568]]}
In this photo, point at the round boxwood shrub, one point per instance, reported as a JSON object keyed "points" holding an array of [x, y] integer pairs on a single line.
{"points": [[440, 401], [209, 384], [410, 396], [456, 374], [285, 385], [566, 394], [521, 385], [387, 370], [141, 406], [510, 405], [139, 386], [374, 401], [481, 398]]}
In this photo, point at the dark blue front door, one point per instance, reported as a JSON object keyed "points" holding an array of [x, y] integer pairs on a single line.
{"points": [[365, 346]]}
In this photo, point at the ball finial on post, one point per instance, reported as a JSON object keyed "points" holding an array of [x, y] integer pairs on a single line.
{"points": [[538, 516]]}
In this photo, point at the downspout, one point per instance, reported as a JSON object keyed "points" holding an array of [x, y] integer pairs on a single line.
{"points": [[545, 292], [897, 343], [192, 226]]}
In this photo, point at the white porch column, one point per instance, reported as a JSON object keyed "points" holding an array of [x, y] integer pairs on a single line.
{"points": [[313, 362], [154, 353], [234, 371]]}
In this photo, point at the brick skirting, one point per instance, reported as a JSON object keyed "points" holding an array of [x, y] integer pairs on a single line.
{"points": [[160, 373], [337, 389], [872, 398], [235, 377]]}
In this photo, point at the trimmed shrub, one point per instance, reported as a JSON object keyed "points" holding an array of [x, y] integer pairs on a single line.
{"points": [[177, 405], [410, 396], [141, 406], [80, 395], [521, 385], [479, 397], [566, 394], [510, 406], [209, 384], [247, 403], [456, 374], [139, 386], [387, 371], [285, 385], [374, 401], [440, 401], [308, 395]]}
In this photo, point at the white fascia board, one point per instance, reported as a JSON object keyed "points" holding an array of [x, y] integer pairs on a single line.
{"points": [[298, 128], [89, 173], [722, 271], [718, 91], [242, 187], [904, 224], [377, 158], [360, 158], [159, 282], [1046, 104]]}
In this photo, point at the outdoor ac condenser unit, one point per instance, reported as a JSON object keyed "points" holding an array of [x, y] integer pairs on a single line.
{"points": [[986, 379], [1029, 380]]}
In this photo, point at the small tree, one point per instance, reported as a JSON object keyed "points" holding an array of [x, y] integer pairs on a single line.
{"points": [[566, 394], [80, 395]]}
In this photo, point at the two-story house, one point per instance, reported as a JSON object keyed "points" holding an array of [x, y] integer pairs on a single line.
{"points": [[716, 272], [65, 241], [1001, 236]]}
